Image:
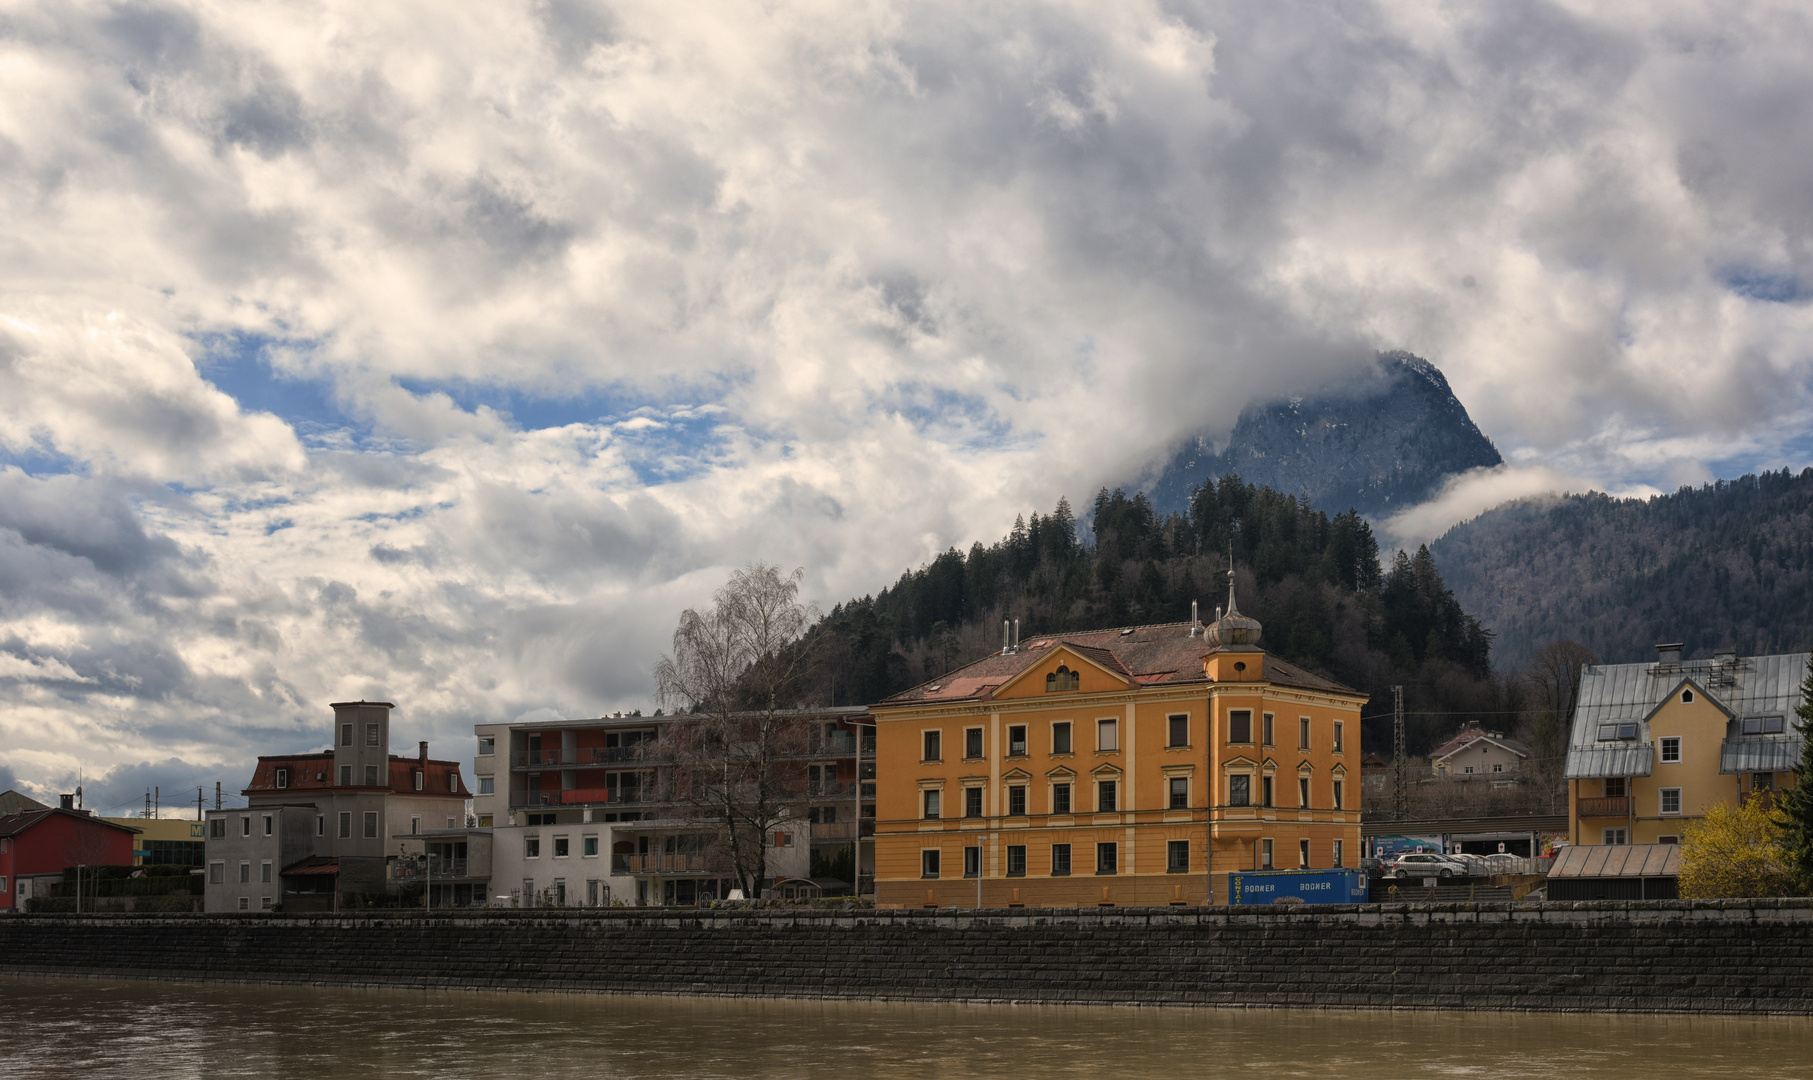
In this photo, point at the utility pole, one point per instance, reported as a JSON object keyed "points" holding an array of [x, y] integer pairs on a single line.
{"points": [[1399, 762], [198, 804], [147, 802]]}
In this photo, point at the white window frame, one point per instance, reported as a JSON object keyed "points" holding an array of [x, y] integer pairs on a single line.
{"points": [[1303, 732], [560, 840], [283, 779], [487, 745], [531, 846], [1107, 735], [1614, 837], [1664, 745], [245, 871], [1662, 795], [1340, 746], [264, 872], [245, 903], [590, 839], [487, 785]]}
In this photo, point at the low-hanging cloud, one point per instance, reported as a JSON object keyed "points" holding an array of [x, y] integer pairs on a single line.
{"points": [[445, 353]]}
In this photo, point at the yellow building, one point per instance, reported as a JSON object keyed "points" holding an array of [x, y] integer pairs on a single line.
{"points": [[1652, 745], [1130, 766], [165, 841]]}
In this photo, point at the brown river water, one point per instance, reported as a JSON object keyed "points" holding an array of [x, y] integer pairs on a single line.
{"points": [[92, 1028]]}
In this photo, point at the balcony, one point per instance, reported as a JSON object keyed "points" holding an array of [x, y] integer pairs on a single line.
{"points": [[841, 744], [435, 866], [592, 797], [842, 831], [1616, 806]]}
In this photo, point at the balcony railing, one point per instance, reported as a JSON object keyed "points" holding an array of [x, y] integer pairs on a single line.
{"points": [[590, 755], [1615, 806], [669, 863], [595, 796], [841, 830], [421, 870]]}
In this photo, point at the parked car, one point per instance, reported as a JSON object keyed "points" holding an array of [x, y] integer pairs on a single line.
{"points": [[1374, 867], [1503, 863], [1425, 864], [1476, 865]]}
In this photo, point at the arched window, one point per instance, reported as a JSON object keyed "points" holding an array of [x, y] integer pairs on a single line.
{"points": [[1062, 679]]}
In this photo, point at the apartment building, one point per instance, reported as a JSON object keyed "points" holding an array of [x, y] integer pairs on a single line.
{"points": [[1652, 745], [1129, 766], [594, 811], [328, 828]]}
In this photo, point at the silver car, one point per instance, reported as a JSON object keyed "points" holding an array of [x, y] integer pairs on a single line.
{"points": [[1426, 864]]}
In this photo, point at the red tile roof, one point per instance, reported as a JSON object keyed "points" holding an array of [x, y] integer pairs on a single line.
{"points": [[315, 772], [14, 824], [1164, 654]]}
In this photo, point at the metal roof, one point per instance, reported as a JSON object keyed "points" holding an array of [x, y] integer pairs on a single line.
{"points": [[1773, 753], [1630, 693], [1617, 860]]}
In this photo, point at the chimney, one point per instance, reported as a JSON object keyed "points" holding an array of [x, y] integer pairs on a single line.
{"points": [[1195, 620], [1670, 653], [1016, 635], [422, 751], [68, 802], [1006, 636]]}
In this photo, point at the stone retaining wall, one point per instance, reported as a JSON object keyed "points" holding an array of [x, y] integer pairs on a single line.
{"points": [[1660, 956]]}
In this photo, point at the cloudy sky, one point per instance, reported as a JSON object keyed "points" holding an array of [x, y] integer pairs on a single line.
{"points": [[443, 352]]}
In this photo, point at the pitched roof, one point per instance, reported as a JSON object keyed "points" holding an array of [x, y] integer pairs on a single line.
{"points": [[11, 802], [1473, 733], [14, 824], [315, 772], [1163, 654]]}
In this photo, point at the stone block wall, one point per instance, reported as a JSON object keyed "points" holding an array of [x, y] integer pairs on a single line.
{"points": [[1659, 956]]}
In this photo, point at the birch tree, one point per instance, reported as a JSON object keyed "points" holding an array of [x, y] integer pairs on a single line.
{"points": [[737, 672]]}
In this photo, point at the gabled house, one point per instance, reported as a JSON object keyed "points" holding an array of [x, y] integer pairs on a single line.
{"points": [[36, 846], [1474, 752]]}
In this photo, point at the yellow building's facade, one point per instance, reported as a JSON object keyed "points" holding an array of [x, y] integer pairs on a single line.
{"points": [[1135, 766], [1653, 745]]}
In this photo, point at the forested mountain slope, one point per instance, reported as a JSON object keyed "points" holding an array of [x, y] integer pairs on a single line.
{"points": [[1378, 444], [1728, 564], [1312, 580]]}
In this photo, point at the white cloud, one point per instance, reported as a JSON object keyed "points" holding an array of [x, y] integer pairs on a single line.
{"points": [[1469, 494], [595, 301]]}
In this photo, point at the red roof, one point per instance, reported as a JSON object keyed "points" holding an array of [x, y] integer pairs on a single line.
{"points": [[315, 772], [15, 824], [1164, 654]]}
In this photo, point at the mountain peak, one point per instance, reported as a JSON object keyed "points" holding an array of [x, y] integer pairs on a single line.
{"points": [[1379, 442]]}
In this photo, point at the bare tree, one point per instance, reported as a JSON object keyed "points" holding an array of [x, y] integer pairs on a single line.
{"points": [[738, 670], [1554, 681]]}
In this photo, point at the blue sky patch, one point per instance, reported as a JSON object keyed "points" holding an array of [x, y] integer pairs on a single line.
{"points": [[1766, 285]]}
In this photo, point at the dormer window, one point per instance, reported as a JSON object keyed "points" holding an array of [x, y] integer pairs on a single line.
{"points": [[418, 780], [1615, 732], [283, 778], [1062, 679], [1764, 725]]}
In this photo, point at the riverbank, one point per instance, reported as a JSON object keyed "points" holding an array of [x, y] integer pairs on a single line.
{"points": [[1660, 956]]}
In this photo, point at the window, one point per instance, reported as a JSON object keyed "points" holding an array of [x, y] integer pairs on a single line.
{"points": [[2, 884], [1060, 798], [590, 848], [487, 785], [1762, 725], [531, 847], [1107, 858], [1265, 791], [1107, 736], [1762, 781], [1614, 837], [1671, 750], [1615, 787], [1177, 856], [1497, 767], [217, 828], [1468, 770], [1104, 796], [420, 778], [371, 824], [1060, 860], [972, 743], [1240, 726], [264, 903], [972, 802], [1265, 854], [1338, 800], [1671, 800], [371, 776], [245, 903], [346, 825], [487, 745], [1687, 697], [1668, 839], [346, 734], [933, 750], [217, 873], [346, 776], [1016, 860], [782, 839], [1303, 733], [1180, 730], [245, 826], [1180, 792], [1303, 854], [1269, 740], [1016, 740], [283, 778], [1610, 732], [928, 864], [1060, 737], [245, 872], [1238, 790], [972, 862], [1016, 800], [1337, 863], [1303, 792], [931, 804], [1337, 736], [264, 871], [371, 734], [1062, 679], [561, 849], [320, 824]]}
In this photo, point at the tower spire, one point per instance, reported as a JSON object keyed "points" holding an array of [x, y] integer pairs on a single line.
{"points": [[1233, 609]]}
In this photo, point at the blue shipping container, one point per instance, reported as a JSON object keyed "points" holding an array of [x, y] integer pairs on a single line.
{"points": [[1310, 886]]}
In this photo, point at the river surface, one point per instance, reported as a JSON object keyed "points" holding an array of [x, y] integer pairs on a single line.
{"points": [[101, 1028]]}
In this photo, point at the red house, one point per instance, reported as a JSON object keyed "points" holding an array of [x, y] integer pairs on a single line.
{"points": [[38, 845]]}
